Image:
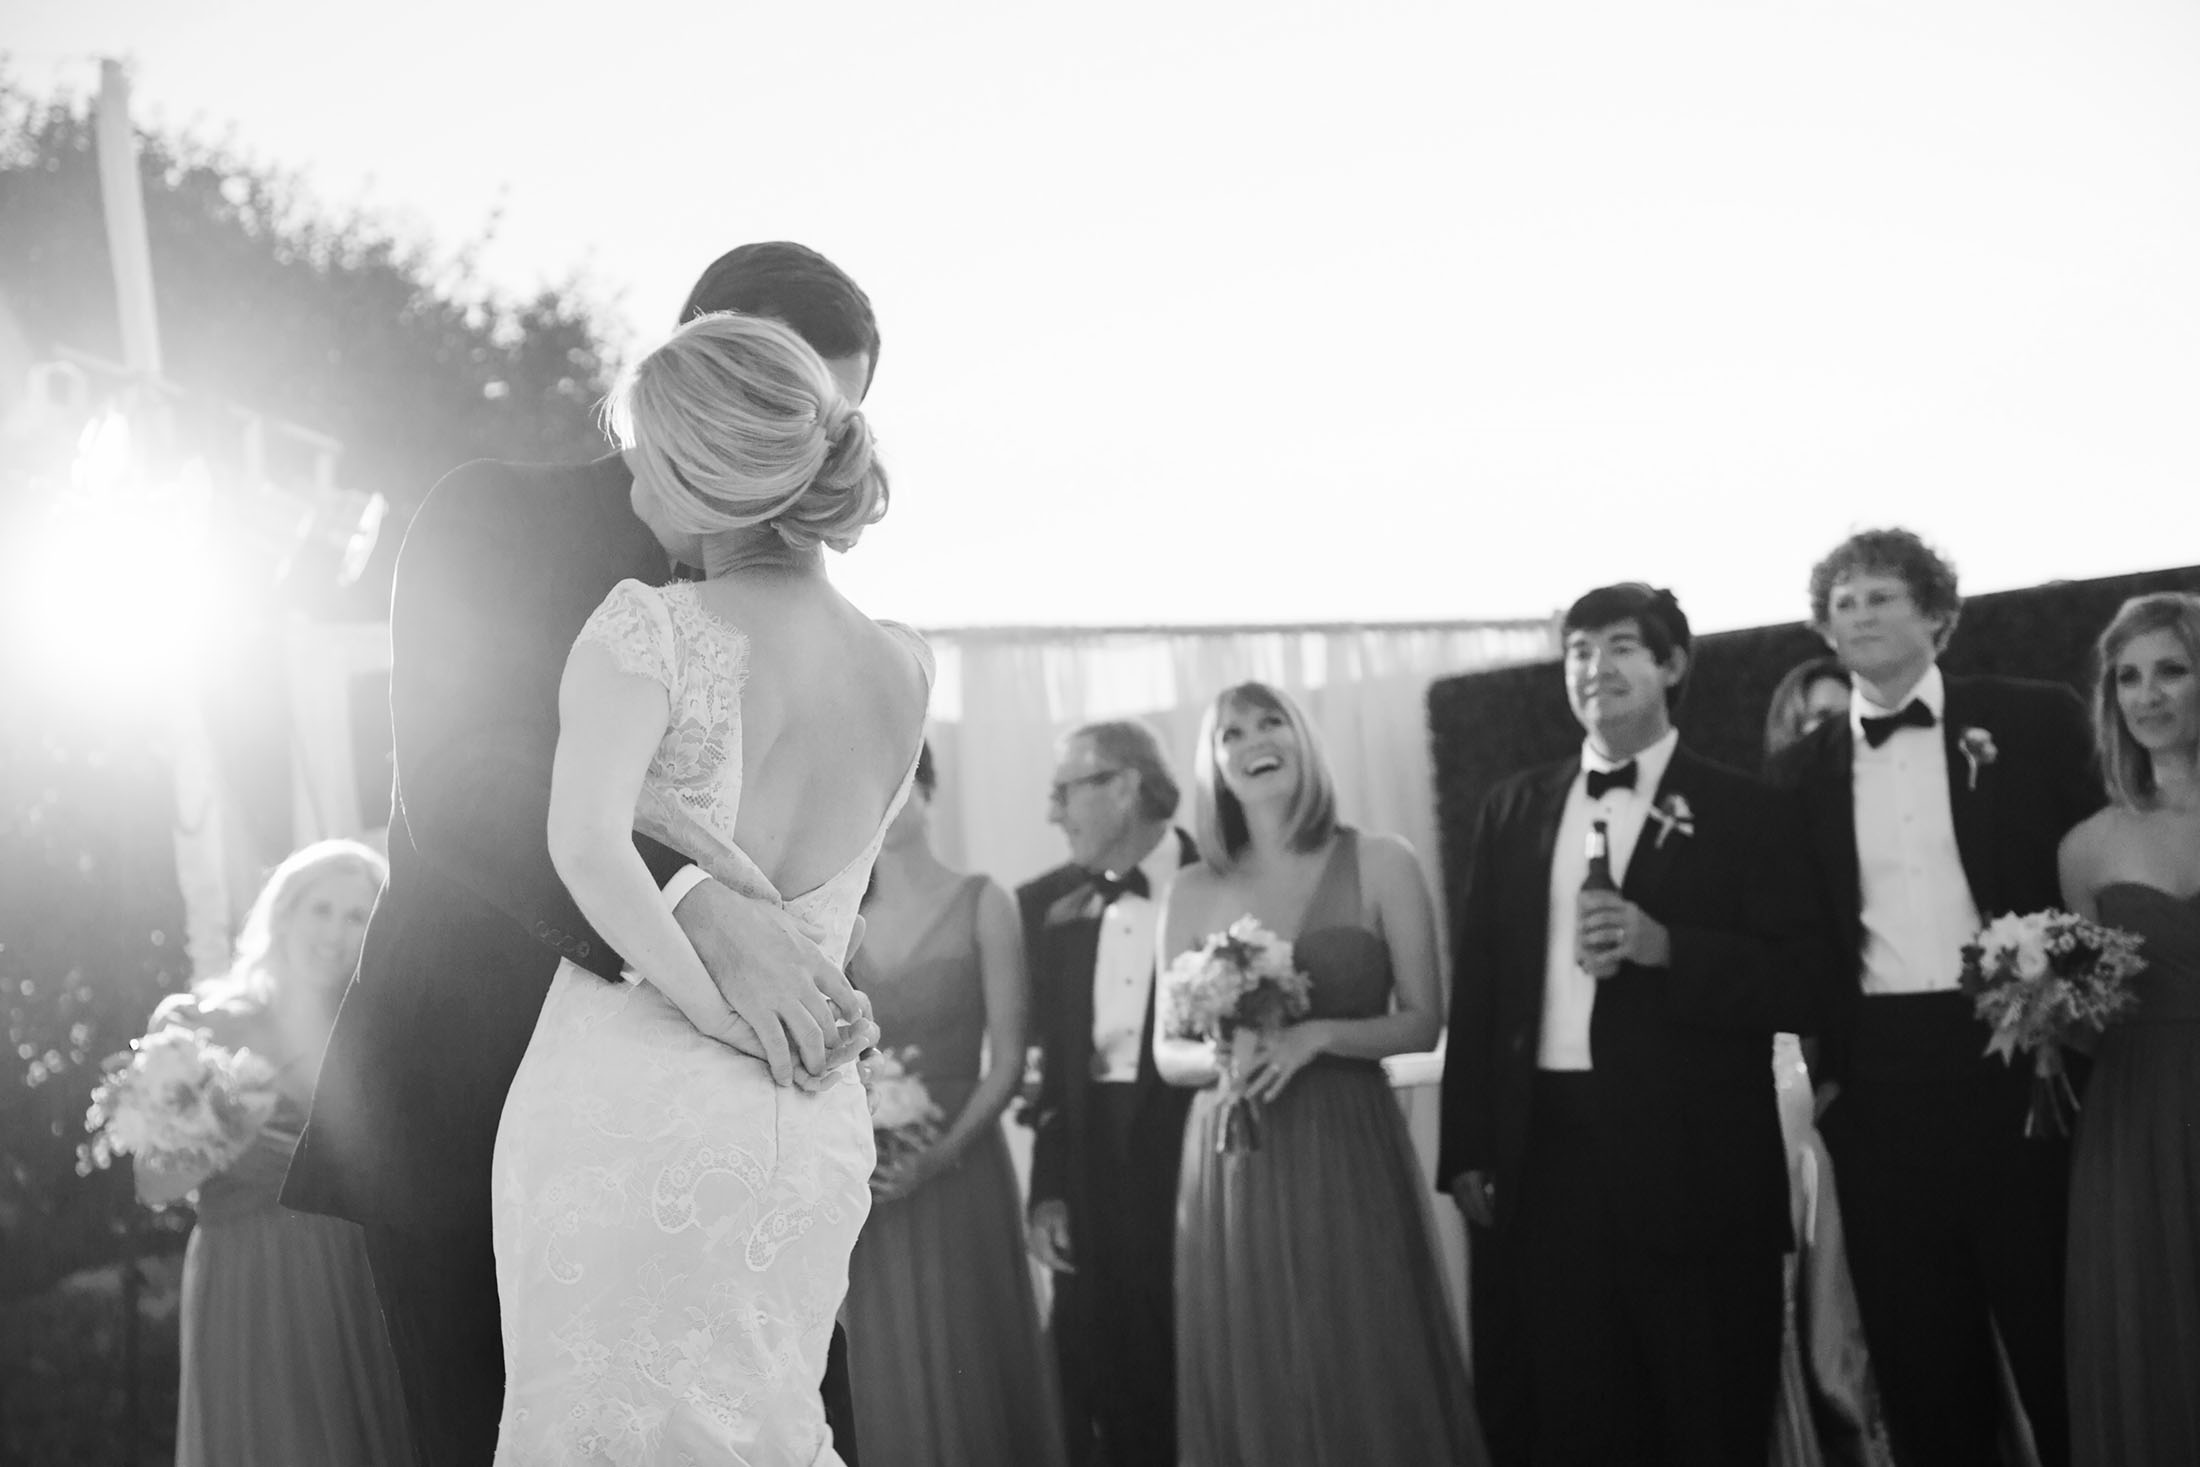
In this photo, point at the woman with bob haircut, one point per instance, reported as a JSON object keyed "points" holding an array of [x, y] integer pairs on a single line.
{"points": [[1311, 1323], [2133, 1290], [284, 1355]]}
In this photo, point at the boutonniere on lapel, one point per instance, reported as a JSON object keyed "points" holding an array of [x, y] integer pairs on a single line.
{"points": [[1672, 813], [1978, 751]]}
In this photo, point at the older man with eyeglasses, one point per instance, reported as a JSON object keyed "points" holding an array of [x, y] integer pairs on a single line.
{"points": [[1107, 1131]]}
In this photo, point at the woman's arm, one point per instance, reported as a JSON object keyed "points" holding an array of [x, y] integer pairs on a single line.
{"points": [[1189, 1062], [2074, 863], [610, 723], [1007, 1001]]}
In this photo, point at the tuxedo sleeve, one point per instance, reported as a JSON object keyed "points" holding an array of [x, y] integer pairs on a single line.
{"points": [[1762, 972], [2077, 772], [472, 744], [1467, 1134], [1050, 1117]]}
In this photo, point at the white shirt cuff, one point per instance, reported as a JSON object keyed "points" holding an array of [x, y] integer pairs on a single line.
{"points": [[683, 881]]}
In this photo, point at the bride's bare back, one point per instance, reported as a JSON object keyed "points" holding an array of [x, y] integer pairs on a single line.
{"points": [[831, 714]]}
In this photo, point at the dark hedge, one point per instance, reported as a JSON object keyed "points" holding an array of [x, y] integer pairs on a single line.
{"points": [[1485, 725]]}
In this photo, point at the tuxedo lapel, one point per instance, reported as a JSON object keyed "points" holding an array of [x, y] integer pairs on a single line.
{"points": [[1830, 788], [1070, 938], [1658, 845], [1970, 796], [1544, 810]]}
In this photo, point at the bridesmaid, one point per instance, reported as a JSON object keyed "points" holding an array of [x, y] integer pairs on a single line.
{"points": [[2134, 1275], [1311, 1318], [943, 1333], [284, 1357]]}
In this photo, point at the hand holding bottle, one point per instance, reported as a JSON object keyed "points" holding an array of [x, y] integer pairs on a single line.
{"points": [[1610, 930]]}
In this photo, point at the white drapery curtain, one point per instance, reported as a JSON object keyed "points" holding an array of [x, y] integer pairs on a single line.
{"points": [[1004, 699]]}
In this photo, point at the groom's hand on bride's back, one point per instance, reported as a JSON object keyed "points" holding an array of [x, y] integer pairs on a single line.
{"points": [[799, 1009]]}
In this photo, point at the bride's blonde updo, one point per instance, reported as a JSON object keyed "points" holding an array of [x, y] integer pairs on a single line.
{"points": [[734, 421]]}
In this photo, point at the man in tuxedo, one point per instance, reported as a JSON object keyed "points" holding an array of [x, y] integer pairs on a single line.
{"points": [[1609, 1121], [1107, 1131], [1936, 805], [499, 570]]}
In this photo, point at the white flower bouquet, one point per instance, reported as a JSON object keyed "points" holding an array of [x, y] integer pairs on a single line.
{"points": [[1237, 989], [2034, 980], [178, 1101], [905, 1120]]}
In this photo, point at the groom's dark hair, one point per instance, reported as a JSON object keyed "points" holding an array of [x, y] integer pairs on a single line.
{"points": [[795, 285]]}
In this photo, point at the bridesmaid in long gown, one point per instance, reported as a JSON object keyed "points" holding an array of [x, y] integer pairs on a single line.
{"points": [[2134, 1274], [284, 1356], [1311, 1319], [943, 1332]]}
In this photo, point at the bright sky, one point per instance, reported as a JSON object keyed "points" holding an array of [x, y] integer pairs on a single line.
{"points": [[1200, 310]]}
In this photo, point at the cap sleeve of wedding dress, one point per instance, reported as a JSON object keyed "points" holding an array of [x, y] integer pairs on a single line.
{"points": [[635, 627]]}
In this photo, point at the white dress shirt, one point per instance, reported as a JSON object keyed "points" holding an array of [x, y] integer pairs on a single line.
{"points": [[1568, 992], [1917, 905], [1122, 970]]}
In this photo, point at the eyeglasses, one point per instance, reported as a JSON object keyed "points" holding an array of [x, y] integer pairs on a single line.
{"points": [[1058, 792]]}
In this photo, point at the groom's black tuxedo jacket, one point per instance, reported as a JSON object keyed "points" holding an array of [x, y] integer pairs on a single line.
{"points": [[2040, 780], [500, 569], [1064, 942], [1681, 1056]]}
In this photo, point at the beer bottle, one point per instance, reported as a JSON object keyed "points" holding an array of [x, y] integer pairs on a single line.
{"points": [[1600, 859], [1599, 877]]}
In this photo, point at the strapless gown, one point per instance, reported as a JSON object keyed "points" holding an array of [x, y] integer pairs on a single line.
{"points": [[2134, 1276]]}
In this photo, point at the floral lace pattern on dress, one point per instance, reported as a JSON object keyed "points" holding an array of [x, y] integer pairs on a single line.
{"points": [[672, 1229], [702, 663]]}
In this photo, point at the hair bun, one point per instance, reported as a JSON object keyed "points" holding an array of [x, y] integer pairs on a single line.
{"points": [[849, 493], [735, 421]]}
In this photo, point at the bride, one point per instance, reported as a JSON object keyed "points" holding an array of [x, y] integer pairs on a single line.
{"points": [[672, 1228]]}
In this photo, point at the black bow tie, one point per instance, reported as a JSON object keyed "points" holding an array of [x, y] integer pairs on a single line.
{"points": [[1603, 780], [1913, 715], [1111, 886]]}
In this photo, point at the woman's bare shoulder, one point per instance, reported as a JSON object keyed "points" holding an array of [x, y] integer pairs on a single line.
{"points": [[2086, 844]]}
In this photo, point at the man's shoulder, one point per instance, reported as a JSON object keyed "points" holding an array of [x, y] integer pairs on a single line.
{"points": [[1703, 772], [487, 486], [1995, 690], [1042, 890], [1507, 796]]}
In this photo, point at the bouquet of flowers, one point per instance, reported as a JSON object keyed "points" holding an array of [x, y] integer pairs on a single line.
{"points": [[2033, 980], [1238, 989], [905, 1120], [178, 1101]]}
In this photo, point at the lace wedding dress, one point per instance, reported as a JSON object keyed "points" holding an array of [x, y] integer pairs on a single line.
{"points": [[672, 1228]]}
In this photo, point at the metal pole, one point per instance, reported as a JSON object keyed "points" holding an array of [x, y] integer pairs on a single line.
{"points": [[127, 244], [130, 1371]]}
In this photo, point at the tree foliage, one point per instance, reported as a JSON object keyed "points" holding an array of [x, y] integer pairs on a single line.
{"points": [[272, 303]]}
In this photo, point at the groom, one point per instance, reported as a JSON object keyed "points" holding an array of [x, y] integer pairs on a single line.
{"points": [[1609, 1120], [1939, 802], [500, 568]]}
